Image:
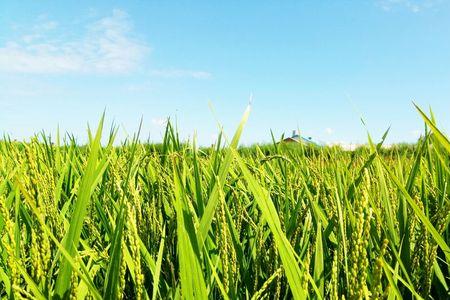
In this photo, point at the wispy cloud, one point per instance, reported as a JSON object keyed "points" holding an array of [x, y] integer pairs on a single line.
{"points": [[159, 122], [345, 145], [329, 131], [27, 87], [414, 6], [180, 73], [138, 87], [106, 45]]}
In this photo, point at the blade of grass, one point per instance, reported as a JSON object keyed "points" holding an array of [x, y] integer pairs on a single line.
{"points": [[292, 270], [72, 237], [112, 274], [318, 261], [158, 266], [213, 200], [439, 135], [419, 213], [191, 276]]}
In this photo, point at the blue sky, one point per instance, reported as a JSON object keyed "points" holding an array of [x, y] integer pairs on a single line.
{"points": [[309, 65]]}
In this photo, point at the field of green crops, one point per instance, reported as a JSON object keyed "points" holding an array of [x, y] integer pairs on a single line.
{"points": [[173, 221]]}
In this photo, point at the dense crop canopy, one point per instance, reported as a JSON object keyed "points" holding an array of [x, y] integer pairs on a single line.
{"points": [[279, 221]]}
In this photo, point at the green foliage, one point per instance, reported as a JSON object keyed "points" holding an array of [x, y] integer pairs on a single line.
{"points": [[274, 221]]}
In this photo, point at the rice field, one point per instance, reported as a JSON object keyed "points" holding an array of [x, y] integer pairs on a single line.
{"points": [[176, 221]]}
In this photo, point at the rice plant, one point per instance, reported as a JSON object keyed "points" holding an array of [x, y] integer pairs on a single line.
{"points": [[143, 221]]}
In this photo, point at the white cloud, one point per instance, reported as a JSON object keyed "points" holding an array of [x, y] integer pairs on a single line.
{"points": [[159, 122], [345, 145], [138, 87], [329, 131], [106, 46], [414, 6], [179, 73], [48, 25], [27, 87]]}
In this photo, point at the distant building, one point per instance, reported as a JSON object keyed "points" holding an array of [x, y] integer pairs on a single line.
{"points": [[296, 138]]}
